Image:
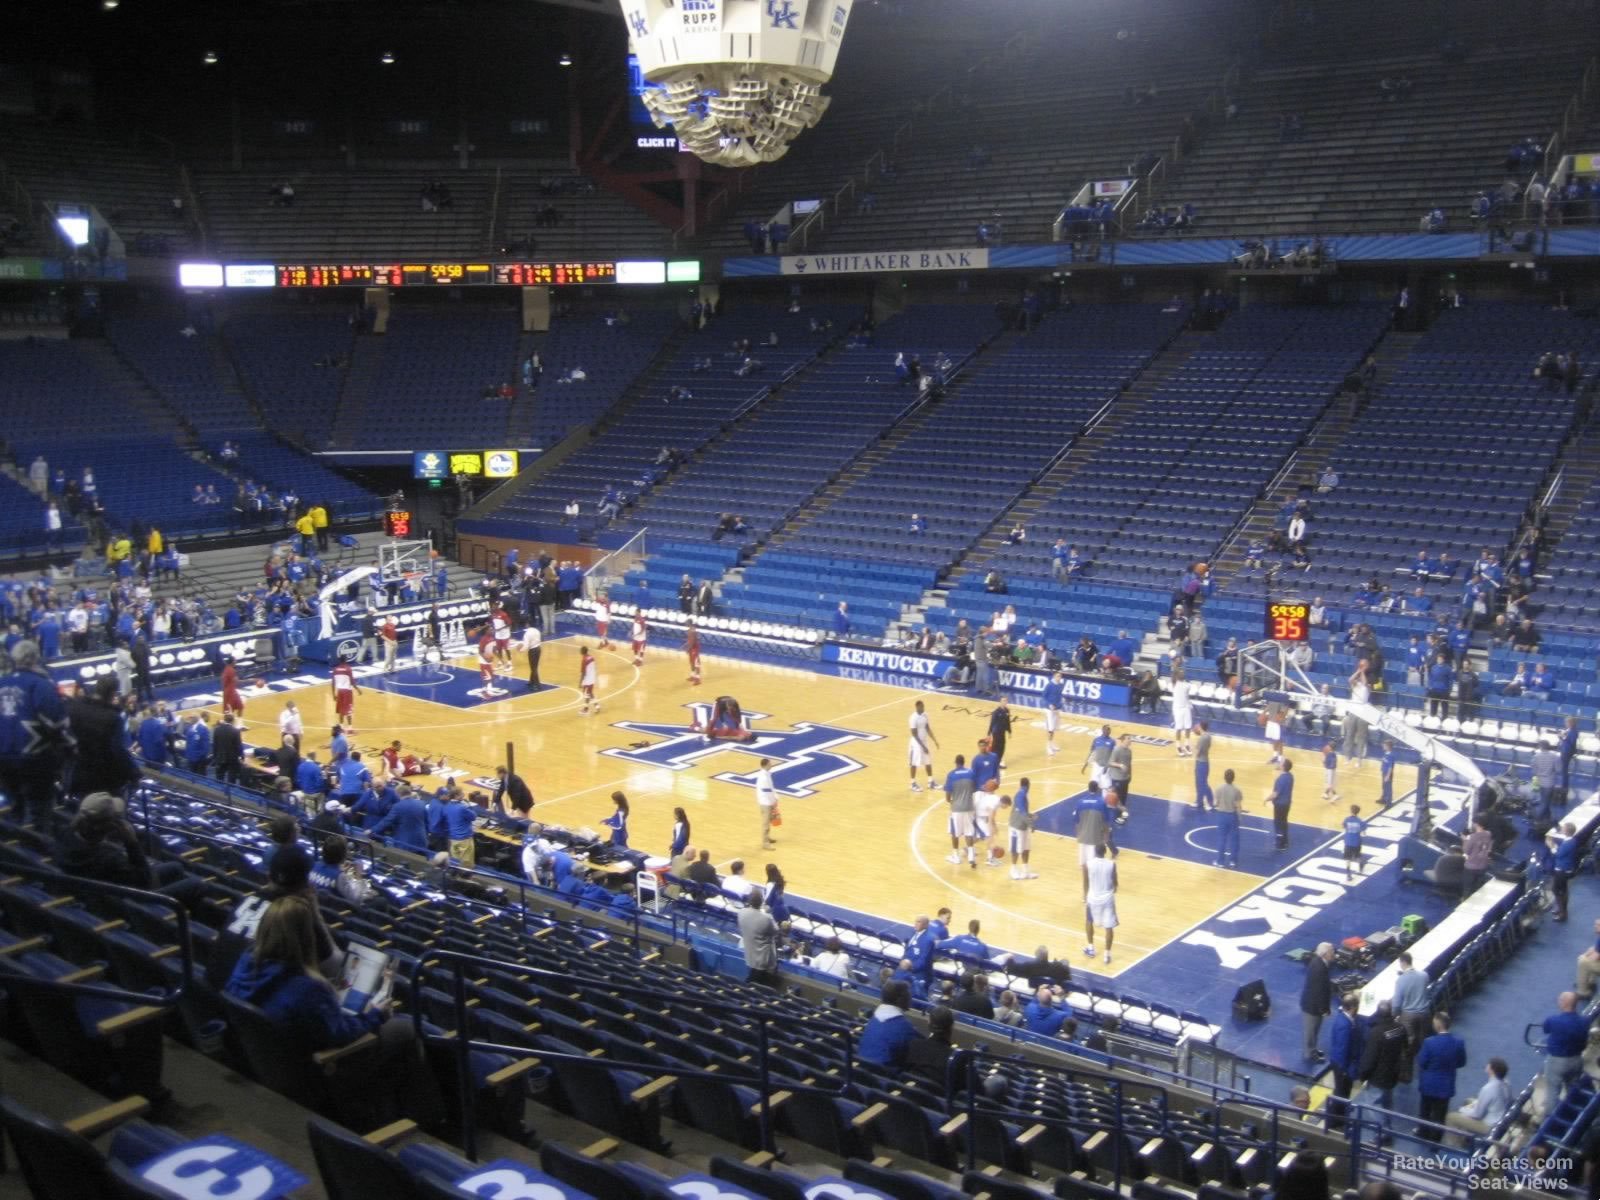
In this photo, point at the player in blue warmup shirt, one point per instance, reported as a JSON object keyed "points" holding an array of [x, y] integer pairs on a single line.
{"points": [[985, 765], [1053, 693], [1386, 774], [1282, 796], [1353, 827]]}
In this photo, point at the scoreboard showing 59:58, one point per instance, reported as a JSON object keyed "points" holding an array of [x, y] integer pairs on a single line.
{"points": [[1287, 621]]}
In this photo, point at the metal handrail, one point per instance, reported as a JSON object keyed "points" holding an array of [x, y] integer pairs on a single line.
{"points": [[77, 884], [463, 1043]]}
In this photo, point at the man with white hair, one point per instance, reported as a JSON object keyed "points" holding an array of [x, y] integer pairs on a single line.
{"points": [[290, 726], [34, 737], [1316, 998]]}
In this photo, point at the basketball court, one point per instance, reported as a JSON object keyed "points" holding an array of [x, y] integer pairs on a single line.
{"points": [[857, 839]]}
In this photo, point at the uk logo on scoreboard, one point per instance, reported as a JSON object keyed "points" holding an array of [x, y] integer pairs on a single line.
{"points": [[803, 758]]}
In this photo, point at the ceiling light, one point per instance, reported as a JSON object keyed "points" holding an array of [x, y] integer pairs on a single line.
{"points": [[565, 60], [387, 58], [108, 5], [210, 58]]}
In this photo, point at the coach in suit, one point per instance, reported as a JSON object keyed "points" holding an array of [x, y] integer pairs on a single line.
{"points": [[227, 750], [703, 599], [686, 596], [511, 795], [1316, 997]]}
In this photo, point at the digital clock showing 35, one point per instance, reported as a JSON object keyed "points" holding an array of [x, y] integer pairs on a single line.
{"points": [[1287, 621]]}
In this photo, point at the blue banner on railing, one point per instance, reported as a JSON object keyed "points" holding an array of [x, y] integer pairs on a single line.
{"points": [[911, 665]]}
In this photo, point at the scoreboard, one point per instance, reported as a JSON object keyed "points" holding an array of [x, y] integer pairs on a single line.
{"points": [[453, 274], [1287, 621]]}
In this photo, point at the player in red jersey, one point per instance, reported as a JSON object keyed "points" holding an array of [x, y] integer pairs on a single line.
{"points": [[602, 621], [639, 635], [500, 626], [691, 645], [399, 765], [231, 701], [342, 679], [588, 676]]}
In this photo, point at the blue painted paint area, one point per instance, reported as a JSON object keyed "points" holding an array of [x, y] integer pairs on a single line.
{"points": [[456, 687], [1306, 902], [1167, 829]]}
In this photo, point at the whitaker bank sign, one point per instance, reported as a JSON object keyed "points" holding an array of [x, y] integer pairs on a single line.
{"points": [[892, 260]]}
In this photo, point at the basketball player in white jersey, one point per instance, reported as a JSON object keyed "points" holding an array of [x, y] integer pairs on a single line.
{"points": [[1182, 715], [1100, 900], [984, 805], [500, 627], [588, 677], [919, 752], [638, 638], [487, 653], [602, 621]]}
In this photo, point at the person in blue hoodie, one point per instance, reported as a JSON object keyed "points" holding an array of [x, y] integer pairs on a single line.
{"points": [[890, 1031], [1440, 679], [279, 975]]}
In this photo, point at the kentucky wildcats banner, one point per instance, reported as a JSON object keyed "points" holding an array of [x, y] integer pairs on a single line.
{"points": [[892, 260]]}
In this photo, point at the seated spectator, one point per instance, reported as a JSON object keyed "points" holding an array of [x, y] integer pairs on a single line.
{"points": [[1519, 681], [889, 1032], [832, 960], [994, 583], [279, 975], [1418, 602], [99, 844], [1318, 717], [1017, 536], [931, 1055], [1043, 1015], [919, 523], [1434, 221], [1542, 683], [1526, 639], [1327, 481], [1009, 1011]]}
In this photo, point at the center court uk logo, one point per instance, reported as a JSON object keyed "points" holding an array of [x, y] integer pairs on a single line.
{"points": [[803, 757]]}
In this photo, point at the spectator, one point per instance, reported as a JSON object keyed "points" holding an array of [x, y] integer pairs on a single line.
{"points": [[101, 845], [35, 739], [1316, 997], [973, 998], [1481, 1114], [279, 974], [1384, 1055], [931, 1054], [889, 1032], [1438, 1060], [1043, 1016], [1009, 1011], [759, 933], [832, 960], [1345, 1044], [1566, 1033]]}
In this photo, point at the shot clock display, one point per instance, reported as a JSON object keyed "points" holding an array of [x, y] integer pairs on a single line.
{"points": [[1287, 621], [397, 523]]}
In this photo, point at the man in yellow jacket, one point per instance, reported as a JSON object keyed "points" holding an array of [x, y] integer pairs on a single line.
{"points": [[307, 529], [319, 522]]}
